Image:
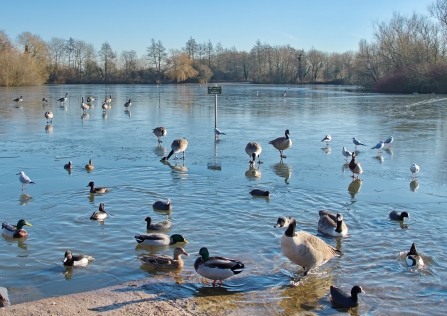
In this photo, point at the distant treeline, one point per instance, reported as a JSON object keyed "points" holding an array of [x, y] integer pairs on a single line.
{"points": [[406, 54]]}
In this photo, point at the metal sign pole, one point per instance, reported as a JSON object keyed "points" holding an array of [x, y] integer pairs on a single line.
{"points": [[215, 111]]}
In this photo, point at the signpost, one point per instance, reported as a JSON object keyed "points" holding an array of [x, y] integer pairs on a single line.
{"points": [[215, 90]]}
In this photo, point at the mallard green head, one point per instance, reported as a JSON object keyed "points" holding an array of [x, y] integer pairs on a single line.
{"points": [[204, 253], [22, 223], [177, 238]]}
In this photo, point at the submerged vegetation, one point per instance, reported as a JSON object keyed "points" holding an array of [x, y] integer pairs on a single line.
{"points": [[406, 54]]}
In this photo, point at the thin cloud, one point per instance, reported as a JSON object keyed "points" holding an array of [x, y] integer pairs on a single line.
{"points": [[290, 36], [358, 35]]}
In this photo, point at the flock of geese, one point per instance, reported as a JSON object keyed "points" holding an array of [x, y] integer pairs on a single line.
{"points": [[301, 248]]}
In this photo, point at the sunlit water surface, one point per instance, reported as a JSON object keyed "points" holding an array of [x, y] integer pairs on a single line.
{"points": [[209, 191]]}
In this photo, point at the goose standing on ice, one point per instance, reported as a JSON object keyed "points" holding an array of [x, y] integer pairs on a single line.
{"points": [[127, 104], [49, 116], [159, 132], [63, 99], [253, 149], [178, 146], [282, 143]]}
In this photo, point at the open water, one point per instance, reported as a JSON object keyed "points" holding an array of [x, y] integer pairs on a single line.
{"points": [[209, 191]]}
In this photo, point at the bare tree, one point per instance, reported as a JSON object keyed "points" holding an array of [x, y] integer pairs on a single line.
{"points": [[107, 57], [316, 59], [191, 48], [157, 57], [57, 51], [129, 59]]}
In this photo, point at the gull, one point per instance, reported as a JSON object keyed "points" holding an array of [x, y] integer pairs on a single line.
{"points": [[24, 179], [357, 142], [414, 169], [327, 139], [379, 146], [218, 132], [389, 140], [346, 153]]}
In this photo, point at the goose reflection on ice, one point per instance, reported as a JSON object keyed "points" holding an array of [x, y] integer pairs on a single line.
{"points": [[49, 128], [283, 170], [160, 150], [414, 185], [253, 173], [354, 187], [128, 113], [176, 168], [84, 116], [104, 115], [25, 199]]}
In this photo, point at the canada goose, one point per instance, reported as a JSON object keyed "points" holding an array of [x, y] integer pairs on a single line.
{"points": [[90, 99], [159, 239], [282, 143], [284, 94], [379, 146], [76, 260], [413, 258], [216, 268], [90, 165], [414, 169], [105, 106], [18, 99], [259, 192], [283, 221], [159, 132], [44, 100], [100, 214], [396, 216], [332, 224], [164, 225], [357, 142], [127, 104], [15, 231], [108, 100], [305, 249], [355, 167], [4, 297], [253, 149], [177, 146], [389, 140], [96, 190], [49, 116], [24, 179], [163, 261], [68, 165], [346, 153], [163, 206], [84, 106], [343, 299], [61, 100], [327, 139]]}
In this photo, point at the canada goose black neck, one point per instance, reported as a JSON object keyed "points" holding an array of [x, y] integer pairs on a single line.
{"points": [[287, 133], [413, 250], [339, 228], [290, 231], [170, 154]]}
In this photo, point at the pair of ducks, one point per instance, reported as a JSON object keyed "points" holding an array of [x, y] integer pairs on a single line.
{"points": [[90, 165], [253, 149]]}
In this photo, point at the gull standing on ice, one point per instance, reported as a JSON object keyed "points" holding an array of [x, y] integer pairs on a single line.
{"points": [[414, 169], [346, 153], [379, 146], [218, 132], [357, 142], [327, 139], [24, 179]]}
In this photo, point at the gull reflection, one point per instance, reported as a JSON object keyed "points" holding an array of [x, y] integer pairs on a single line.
{"points": [[253, 172], [104, 115], [128, 113], [160, 150], [345, 167], [414, 185], [354, 187], [326, 149], [389, 150], [49, 128], [283, 170], [25, 199], [379, 158]]}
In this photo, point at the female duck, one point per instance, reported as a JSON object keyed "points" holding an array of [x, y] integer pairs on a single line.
{"points": [[159, 239], [216, 268], [100, 214], [332, 224], [72, 260], [165, 262], [164, 225], [90, 165], [15, 231], [96, 190]]}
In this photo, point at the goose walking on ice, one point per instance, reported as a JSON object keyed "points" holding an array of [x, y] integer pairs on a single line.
{"points": [[159, 132], [282, 143], [63, 99], [127, 104], [84, 106]]}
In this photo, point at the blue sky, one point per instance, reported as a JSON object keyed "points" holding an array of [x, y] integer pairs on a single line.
{"points": [[330, 26]]}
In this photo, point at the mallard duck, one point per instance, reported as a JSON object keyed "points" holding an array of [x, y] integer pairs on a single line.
{"points": [[84, 106], [90, 165], [159, 239], [178, 146], [159, 132], [63, 99], [49, 116], [413, 258], [24, 179], [165, 262], [127, 104], [96, 190], [100, 214], [216, 268], [76, 260], [259, 192], [163, 206], [253, 149], [157, 226], [332, 224], [343, 299], [15, 231], [305, 249], [68, 165], [414, 169], [396, 216], [282, 143], [355, 167]]}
